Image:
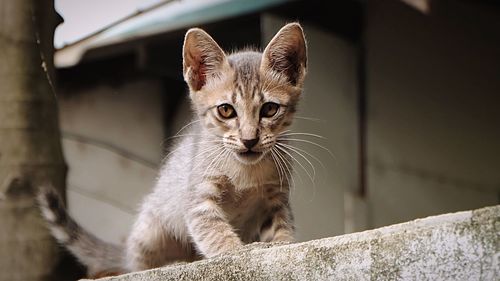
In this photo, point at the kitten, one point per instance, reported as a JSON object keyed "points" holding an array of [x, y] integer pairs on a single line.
{"points": [[225, 184]]}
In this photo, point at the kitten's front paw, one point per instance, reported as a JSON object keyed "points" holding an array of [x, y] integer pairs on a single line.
{"points": [[257, 246], [283, 239], [227, 248]]}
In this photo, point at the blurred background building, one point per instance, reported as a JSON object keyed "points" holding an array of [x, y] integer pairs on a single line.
{"points": [[406, 93]]}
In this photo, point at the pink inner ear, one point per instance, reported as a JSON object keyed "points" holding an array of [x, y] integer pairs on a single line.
{"points": [[202, 57], [199, 72], [202, 75]]}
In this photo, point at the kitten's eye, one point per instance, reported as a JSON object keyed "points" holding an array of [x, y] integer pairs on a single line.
{"points": [[226, 111], [269, 109]]}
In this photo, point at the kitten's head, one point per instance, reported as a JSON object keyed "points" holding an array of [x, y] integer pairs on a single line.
{"points": [[248, 98]]}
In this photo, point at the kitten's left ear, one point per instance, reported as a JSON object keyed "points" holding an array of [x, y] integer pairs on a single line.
{"points": [[202, 58], [286, 54]]}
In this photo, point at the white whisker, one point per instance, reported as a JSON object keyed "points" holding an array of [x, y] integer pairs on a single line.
{"points": [[182, 146], [303, 134], [301, 155], [210, 154], [203, 152], [310, 142], [187, 125], [278, 169], [182, 135], [286, 131], [298, 162], [289, 175], [221, 152], [285, 162], [178, 132], [226, 159], [291, 147], [309, 119]]}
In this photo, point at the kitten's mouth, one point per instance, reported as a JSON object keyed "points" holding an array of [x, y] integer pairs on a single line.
{"points": [[249, 156]]}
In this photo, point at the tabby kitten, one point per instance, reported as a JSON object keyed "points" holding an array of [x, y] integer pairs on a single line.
{"points": [[225, 184]]}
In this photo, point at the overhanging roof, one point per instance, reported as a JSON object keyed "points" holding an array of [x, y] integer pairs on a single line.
{"points": [[163, 18], [175, 15]]}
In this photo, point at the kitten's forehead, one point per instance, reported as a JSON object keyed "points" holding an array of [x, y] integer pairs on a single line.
{"points": [[250, 85], [246, 67], [246, 64]]}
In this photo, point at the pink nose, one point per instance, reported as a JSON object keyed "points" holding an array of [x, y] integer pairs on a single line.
{"points": [[250, 143]]}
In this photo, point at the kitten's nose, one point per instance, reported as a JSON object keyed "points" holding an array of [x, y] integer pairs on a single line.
{"points": [[250, 143]]}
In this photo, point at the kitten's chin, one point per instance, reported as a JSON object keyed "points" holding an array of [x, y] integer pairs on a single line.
{"points": [[249, 157]]}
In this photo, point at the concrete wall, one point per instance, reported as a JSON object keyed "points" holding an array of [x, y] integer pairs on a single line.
{"points": [[112, 137], [460, 246], [330, 99], [433, 120]]}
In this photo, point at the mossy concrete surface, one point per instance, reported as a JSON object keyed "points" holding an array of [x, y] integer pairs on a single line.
{"points": [[458, 246]]}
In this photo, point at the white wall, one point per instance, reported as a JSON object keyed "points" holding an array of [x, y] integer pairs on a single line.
{"points": [[330, 96], [433, 117], [112, 139]]}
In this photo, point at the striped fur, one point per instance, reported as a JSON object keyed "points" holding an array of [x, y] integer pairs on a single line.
{"points": [[214, 192]]}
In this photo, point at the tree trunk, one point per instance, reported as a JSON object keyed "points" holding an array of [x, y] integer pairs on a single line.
{"points": [[30, 147]]}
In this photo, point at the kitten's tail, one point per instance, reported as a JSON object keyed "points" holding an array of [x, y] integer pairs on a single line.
{"points": [[98, 256]]}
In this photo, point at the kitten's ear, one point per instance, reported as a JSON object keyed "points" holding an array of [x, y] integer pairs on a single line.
{"points": [[202, 58], [286, 54]]}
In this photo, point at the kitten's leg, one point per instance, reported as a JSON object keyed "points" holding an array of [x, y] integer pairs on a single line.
{"points": [[278, 227], [283, 226], [150, 245], [207, 224]]}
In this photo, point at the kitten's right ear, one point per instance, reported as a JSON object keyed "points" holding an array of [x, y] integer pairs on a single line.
{"points": [[202, 58]]}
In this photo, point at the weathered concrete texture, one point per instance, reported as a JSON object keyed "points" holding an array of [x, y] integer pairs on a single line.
{"points": [[459, 246]]}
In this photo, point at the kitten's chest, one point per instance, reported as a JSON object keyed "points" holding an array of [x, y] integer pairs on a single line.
{"points": [[245, 210], [239, 203]]}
